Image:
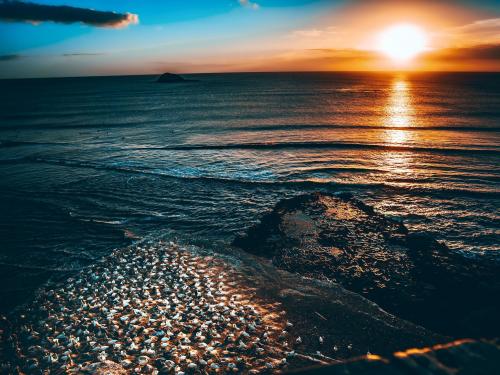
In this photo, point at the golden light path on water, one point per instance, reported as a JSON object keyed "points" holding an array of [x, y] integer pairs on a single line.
{"points": [[399, 113]]}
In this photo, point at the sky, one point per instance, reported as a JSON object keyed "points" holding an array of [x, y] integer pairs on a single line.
{"points": [[51, 38]]}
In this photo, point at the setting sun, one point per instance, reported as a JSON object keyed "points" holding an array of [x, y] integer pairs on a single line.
{"points": [[402, 42]]}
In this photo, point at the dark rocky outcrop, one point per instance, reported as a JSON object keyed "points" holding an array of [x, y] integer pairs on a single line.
{"points": [[349, 324], [339, 238], [464, 357], [171, 78]]}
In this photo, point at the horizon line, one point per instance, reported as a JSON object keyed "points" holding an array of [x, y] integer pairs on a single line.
{"points": [[265, 72]]}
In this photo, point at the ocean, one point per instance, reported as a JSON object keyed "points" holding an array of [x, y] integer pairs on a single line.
{"points": [[89, 164]]}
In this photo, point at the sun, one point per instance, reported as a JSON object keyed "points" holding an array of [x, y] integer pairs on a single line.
{"points": [[402, 42]]}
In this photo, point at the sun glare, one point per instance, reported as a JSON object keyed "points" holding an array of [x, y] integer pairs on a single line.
{"points": [[402, 42]]}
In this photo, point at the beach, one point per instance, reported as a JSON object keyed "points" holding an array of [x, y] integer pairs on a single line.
{"points": [[123, 200], [301, 187], [160, 307], [151, 308]]}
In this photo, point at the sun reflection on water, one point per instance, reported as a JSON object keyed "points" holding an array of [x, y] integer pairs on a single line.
{"points": [[399, 114], [398, 163]]}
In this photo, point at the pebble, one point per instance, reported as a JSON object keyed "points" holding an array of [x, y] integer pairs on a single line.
{"points": [[152, 308]]}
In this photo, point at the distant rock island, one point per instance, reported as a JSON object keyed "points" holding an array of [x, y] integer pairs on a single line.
{"points": [[171, 78]]}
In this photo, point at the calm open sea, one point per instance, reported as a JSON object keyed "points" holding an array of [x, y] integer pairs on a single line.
{"points": [[86, 162]]}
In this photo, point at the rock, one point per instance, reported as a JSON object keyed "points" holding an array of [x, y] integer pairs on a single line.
{"points": [[349, 324], [465, 357], [171, 78], [339, 238]]}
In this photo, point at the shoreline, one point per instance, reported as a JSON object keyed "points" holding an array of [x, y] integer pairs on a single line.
{"points": [[92, 321]]}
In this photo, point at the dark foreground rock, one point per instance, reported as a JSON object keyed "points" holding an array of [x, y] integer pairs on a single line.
{"points": [[329, 319], [339, 238], [464, 357], [171, 78]]}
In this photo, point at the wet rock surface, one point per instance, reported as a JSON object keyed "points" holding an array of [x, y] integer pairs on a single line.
{"points": [[338, 237], [465, 357], [330, 320]]}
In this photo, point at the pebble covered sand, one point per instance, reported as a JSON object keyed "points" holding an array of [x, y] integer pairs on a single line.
{"points": [[154, 308]]}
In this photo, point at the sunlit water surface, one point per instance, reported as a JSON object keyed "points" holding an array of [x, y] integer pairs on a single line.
{"points": [[86, 163]]}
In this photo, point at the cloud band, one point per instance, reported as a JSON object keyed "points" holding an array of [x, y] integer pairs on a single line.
{"points": [[9, 57], [19, 11]]}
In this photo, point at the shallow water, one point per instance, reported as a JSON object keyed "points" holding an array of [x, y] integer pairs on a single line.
{"points": [[85, 160]]}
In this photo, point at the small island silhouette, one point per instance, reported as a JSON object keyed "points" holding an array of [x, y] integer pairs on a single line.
{"points": [[172, 78]]}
